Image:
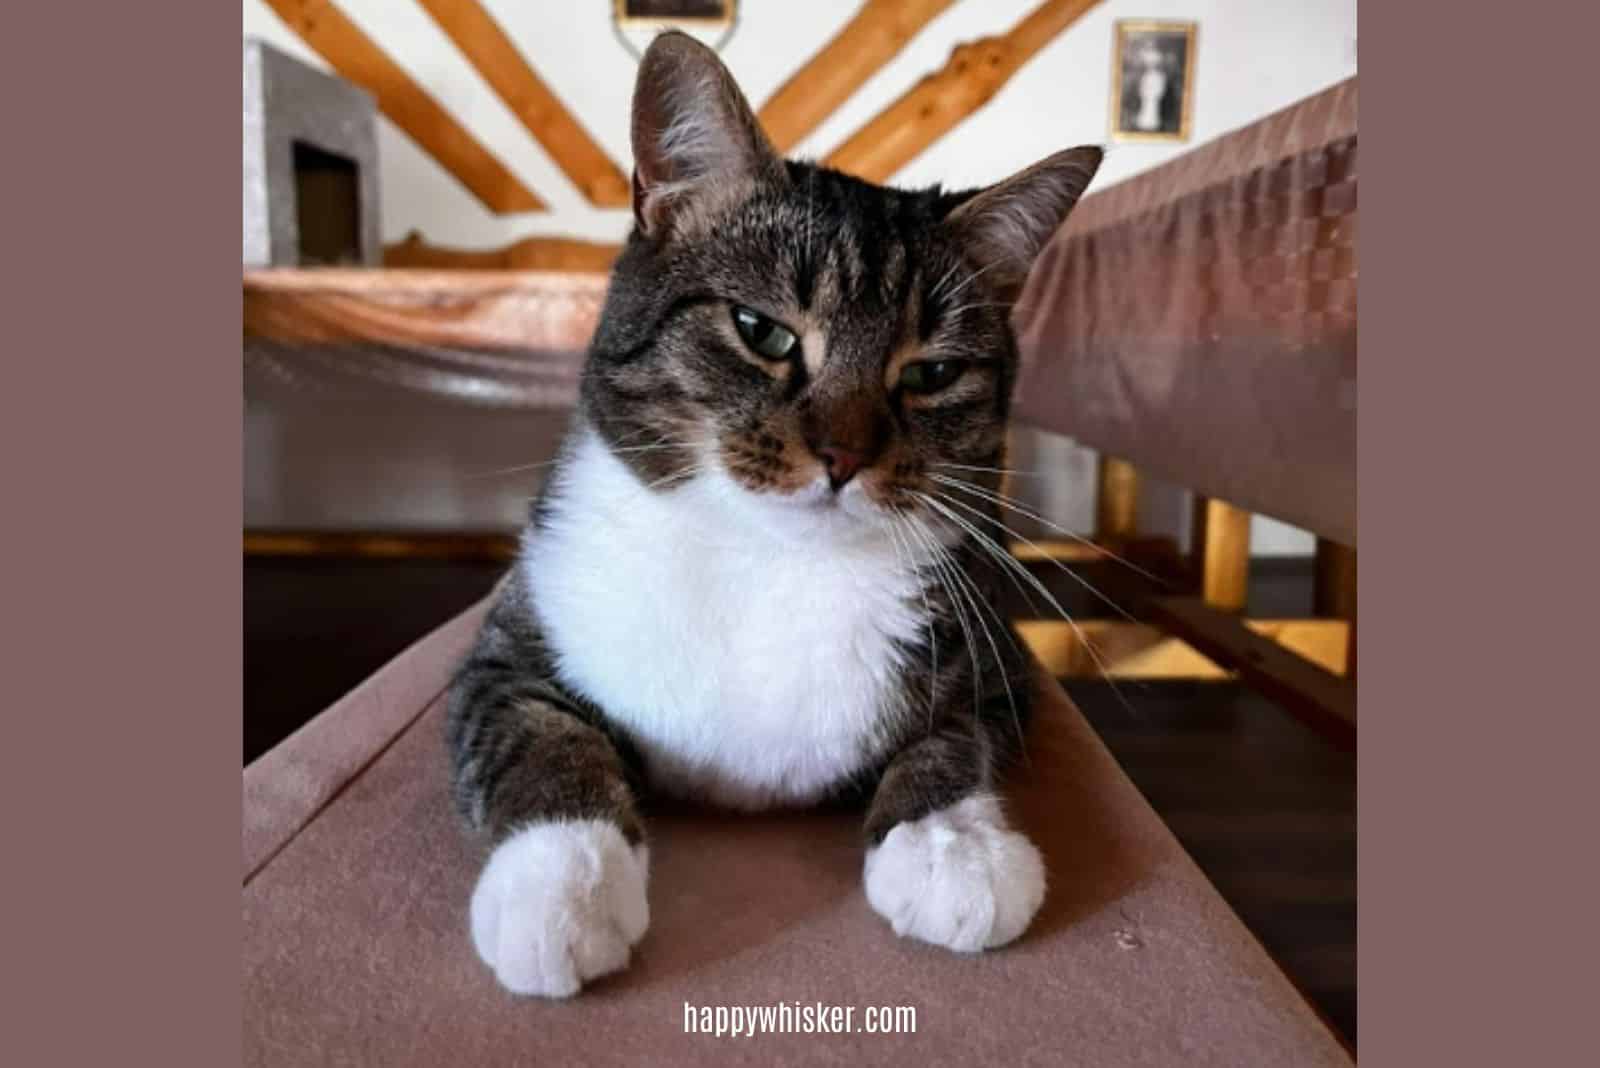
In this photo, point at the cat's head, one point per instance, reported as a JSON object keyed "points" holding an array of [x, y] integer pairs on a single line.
{"points": [[818, 346]]}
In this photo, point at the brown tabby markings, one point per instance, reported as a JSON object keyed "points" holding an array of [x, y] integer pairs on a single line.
{"points": [[756, 458]]}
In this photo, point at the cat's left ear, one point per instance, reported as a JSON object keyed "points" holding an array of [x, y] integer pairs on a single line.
{"points": [[693, 131], [1005, 226]]}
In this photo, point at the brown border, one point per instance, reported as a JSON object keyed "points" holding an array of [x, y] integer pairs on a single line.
{"points": [[1476, 424], [121, 431]]}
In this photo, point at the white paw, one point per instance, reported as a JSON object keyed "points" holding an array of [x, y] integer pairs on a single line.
{"points": [[958, 878], [560, 904]]}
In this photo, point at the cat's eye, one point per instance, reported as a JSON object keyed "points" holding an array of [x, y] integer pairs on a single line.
{"points": [[766, 338], [930, 376]]}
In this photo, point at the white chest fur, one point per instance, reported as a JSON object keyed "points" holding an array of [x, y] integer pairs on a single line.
{"points": [[753, 663]]}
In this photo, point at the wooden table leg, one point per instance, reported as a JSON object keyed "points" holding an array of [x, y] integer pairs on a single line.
{"points": [[1220, 545], [1116, 514], [1335, 591]]}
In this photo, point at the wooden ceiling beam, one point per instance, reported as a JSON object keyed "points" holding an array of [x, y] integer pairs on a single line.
{"points": [[332, 35], [874, 36], [940, 101], [485, 45]]}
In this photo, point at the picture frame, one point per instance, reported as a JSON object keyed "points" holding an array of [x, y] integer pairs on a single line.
{"points": [[684, 14], [1152, 80]]}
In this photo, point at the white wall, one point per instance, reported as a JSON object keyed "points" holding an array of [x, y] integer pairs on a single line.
{"points": [[1253, 57]]}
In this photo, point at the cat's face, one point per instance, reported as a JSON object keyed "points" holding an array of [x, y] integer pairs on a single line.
{"points": [[821, 341], [818, 344]]}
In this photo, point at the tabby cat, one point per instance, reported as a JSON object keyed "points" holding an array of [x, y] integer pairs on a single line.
{"points": [[758, 574]]}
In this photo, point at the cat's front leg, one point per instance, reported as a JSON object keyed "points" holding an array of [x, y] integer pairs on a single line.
{"points": [[942, 865], [562, 898]]}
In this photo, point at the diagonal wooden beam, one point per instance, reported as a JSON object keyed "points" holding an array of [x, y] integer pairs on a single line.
{"points": [[350, 52], [874, 36], [1110, 648], [940, 101], [1322, 700], [486, 46]]}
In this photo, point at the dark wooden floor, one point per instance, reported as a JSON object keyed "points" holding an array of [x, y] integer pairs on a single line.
{"points": [[314, 627], [1265, 807]]}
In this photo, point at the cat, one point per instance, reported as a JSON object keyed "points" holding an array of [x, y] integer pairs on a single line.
{"points": [[759, 572]]}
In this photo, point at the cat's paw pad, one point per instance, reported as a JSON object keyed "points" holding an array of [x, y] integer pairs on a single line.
{"points": [[958, 878], [560, 904]]}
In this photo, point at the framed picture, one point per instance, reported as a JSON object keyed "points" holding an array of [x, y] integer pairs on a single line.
{"points": [[684, 14], [1152, 81]]}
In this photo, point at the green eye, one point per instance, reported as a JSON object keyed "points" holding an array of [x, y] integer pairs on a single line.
{"points": [[766, 338], [930, 376]]}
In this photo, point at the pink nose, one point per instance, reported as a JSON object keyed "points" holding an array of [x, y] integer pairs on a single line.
{"points": [[842, 464]]}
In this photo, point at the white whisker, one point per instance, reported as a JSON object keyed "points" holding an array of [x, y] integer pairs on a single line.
{"points": [[995, 470], [1073, 575], [1014, 567], [942, 573], [976, 598], [617, 448], [1007, 502], [894, 519]]}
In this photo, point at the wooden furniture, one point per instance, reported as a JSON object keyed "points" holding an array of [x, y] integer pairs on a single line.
{"points": [[1199, 322], [406, 402]]}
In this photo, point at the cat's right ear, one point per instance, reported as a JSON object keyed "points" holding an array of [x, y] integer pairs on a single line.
{"points": [[693, 130]]}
